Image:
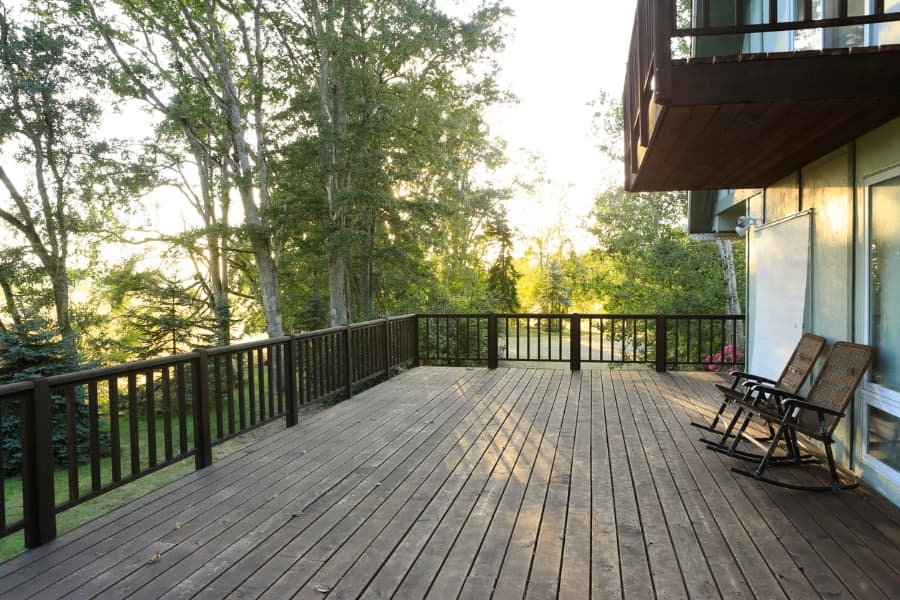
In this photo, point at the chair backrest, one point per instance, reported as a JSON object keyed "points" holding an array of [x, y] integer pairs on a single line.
{"points": [[798, 368], [835, 384]]}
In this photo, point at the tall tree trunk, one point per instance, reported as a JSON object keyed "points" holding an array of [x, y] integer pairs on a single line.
{"points": [[259, 235], [332, 126], [59, 278], [726, 253]]}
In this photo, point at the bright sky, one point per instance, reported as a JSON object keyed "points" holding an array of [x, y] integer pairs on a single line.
{"points": [[561, 56]]}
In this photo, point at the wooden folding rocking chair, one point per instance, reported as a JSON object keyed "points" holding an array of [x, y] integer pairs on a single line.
{"points": [[792, 378], [815, 415]]}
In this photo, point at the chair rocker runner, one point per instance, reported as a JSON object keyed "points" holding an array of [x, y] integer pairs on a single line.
{"points": [[815, 415], [792, 378]]}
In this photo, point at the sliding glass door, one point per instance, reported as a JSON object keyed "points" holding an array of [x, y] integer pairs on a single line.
{"points": [[881, 395]]}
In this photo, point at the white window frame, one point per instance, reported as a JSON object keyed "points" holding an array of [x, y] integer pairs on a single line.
{"points": [[871, 393]]}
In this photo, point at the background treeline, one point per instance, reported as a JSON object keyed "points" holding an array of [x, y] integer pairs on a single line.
{"points": [[185, 173]]}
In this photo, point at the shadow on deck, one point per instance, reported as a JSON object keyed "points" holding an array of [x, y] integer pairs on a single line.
{"points": [[454, 482]]}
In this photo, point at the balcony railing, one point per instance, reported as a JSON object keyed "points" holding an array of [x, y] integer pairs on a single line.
{"points": [[93, 431], [671, 87]]}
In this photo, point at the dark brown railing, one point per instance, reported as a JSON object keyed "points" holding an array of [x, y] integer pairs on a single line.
{"points": [[836, 14], [93, 431], [658, 26], [123, 422], [689, 340]]}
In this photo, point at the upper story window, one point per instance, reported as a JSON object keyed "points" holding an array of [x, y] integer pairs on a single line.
{"points": [[759, 12]]}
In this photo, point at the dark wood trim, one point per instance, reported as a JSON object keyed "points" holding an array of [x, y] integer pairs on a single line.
{"points": [[798, 78]]}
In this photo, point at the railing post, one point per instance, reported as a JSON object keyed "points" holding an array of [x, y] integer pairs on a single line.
{"points": [[200, 402], [386, 349], [348, 362], [662, 343], [663, 19], [492, 358], [575, 342], [290, 373], [38, 495]]}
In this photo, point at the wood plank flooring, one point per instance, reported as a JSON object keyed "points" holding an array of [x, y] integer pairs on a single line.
{"points": [[468, 483]]}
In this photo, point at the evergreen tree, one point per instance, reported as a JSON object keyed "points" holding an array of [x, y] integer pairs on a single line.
{"points": [[30, 348]]}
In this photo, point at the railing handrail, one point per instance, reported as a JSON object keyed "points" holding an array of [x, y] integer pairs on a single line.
{"points": [[270, 378], [740, 27]]}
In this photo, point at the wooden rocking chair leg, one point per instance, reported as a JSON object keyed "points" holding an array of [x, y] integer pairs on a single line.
{"points": [[711, 427], [758, 474], [740, 433], [720, 443], [836, 483]]}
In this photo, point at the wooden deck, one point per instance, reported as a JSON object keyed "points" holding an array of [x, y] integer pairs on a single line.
{"points": [[469, 483]]}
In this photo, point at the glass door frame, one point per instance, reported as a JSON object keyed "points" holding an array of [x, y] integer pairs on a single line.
{"points": [[871, 394]]}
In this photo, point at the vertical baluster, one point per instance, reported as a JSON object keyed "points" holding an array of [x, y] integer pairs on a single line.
{"points": [[261, 382], [634, 339], [808, 9], [229, 387], [167, 412], [308, 379], [242, 393], [281, 367], [115, 441], [590, 338], [217, 396], [602, 338], [181, 398], [251, 387], [151, 418], [93, 435], [646, 339], [3, 411], [274, 383], [72, 441], [773, 12], [133, 424], [518, 338]]}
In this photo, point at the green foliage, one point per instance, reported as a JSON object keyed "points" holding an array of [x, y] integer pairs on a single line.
{"points": [[646, 263], [553, 289], [31, 348], [166, 317]]}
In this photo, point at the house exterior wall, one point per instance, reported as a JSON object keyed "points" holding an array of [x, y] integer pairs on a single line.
{"points": [[835, 188]]}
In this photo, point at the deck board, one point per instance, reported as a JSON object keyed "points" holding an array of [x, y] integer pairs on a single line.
{"points": [[468, 483]]}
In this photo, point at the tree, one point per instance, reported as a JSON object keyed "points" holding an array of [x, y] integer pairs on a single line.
{"points": [[214, 67], [554, 289], [396, 106], [502, 274], [646, 262], [32, 347], [67, 178]]}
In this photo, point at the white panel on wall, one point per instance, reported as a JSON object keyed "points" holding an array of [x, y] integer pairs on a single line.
{"points": [[779, 258]]}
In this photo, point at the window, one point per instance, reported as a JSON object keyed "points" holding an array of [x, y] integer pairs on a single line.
{"points": [[881, 394]]}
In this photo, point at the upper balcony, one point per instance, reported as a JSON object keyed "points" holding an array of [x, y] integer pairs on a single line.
{"points": [[740, 93]]}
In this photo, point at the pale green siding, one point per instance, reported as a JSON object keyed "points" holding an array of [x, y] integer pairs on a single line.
{"points": [[782, 198], [828, 190], [835, 187]]}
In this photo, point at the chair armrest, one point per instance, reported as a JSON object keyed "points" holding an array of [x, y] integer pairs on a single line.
{"points": [[793, 403], [748, 379]]}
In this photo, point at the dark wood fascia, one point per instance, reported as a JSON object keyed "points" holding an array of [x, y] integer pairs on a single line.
{"points": [[802, 77]]}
